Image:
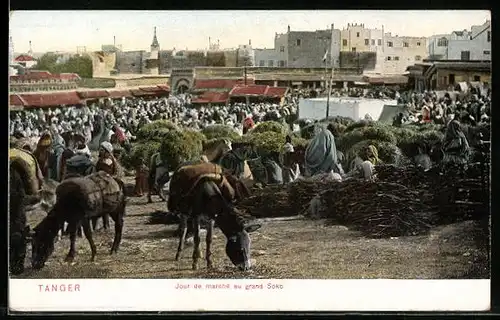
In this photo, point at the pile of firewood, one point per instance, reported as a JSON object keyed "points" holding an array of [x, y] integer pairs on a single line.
{"points": [[270, 201], [455, 193], [462, 194], [410, 176], [377, 209], [303, 190]]}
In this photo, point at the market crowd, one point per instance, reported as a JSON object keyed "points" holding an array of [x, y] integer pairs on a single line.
{"points": [[119, 121]]}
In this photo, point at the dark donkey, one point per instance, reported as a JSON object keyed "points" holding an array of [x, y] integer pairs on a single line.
{"points": [[18, 230], [78, 200], [202, 189]]}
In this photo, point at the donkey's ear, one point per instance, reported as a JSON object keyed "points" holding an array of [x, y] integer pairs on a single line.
{"points": [[252, 228]]}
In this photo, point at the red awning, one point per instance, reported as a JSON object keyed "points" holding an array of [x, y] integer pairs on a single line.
{"points": [[119, 93], [16, 100], [150, 89], [211, 97], [252, 90], [164, 87], [93, 94], [50, 99], [276, 92]]}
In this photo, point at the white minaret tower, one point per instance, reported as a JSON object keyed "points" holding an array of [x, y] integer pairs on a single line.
{"points": [[30, 52], [154, 56], [12, 71]]}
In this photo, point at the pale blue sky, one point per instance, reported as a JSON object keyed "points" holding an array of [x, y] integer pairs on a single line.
{"points": [[65, 30]]}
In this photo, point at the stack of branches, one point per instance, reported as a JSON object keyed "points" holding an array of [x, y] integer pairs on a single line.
{"points": [[376, 209], [462, 193], [303, 190], [270, 201], [413, 177], [455, 193]]}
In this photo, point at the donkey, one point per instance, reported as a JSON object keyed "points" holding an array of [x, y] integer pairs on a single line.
{"points": [[78, 200], [204, 194], [18, 229]]}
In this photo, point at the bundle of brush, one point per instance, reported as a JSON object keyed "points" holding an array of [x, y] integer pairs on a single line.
{"points": [[377, 209], [270, 201], [410, 176], [303, 190], [413, 177], [461, 194]]}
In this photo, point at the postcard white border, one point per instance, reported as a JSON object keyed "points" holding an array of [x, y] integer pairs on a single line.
{"points": [[287, 295]]}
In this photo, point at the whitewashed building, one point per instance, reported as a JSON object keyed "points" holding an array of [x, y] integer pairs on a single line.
{"points": [[401, 52], [273, 57], [246, 51], [437, 46], [393, 53], [462, 45], [473, 45]]}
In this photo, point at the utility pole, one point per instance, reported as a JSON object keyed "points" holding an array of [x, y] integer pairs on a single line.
{"points": [[331, 77], [245, 69], [329, 93]]}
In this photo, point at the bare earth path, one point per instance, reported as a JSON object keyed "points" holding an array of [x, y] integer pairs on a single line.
{"points": [[282, 249]]}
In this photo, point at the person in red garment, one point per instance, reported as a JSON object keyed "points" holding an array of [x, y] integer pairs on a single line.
{"points": [[248, 124], [120, 135]]}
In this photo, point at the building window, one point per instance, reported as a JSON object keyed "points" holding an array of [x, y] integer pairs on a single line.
{"points": [[344, 42], [418, 58], [282, 48], [262, 63], [489, 36], [389, 59], [465, 55], [443, 42], [418, 44], [282, 63], [477, 78], [298, 42], [270, 63], [353, 49], [389, 43], [373, 42], [379, 42], [486, 52], [405, 44], [396, 58], [367, 42], [357, 34]]}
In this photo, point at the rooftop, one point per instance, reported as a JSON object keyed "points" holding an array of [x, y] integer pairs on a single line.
{"points": [[24, 58]]}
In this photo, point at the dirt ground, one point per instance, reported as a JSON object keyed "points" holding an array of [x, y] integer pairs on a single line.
{"points": [[300, 249]]}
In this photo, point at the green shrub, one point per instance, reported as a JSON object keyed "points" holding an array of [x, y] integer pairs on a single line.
{"points": [[180, 146], [425, 139], [359, 124], [345, 121], [265, 142], [377, 133], [140, 151], [308, 131], [220, 131], [267, 126], [155, 130], [299, 142], [388, 153]]}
